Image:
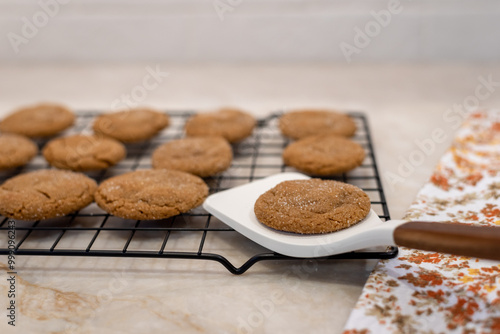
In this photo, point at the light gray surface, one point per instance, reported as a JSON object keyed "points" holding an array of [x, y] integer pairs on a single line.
{"points": [[256, 30]]}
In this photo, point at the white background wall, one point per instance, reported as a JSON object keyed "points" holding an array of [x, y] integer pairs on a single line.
{"points": [[250, 30]]}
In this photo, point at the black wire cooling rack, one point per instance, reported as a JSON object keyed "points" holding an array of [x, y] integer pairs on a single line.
{"points": [[196, 234]]}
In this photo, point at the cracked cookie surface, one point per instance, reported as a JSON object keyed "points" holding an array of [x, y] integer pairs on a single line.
{"points": [[131, 126], [151, 194], [312, 206], [304, 123], [41, 120], [232, 124], [83, 152], [324, 155], [15, 150], [202, 156], [45, 194]]}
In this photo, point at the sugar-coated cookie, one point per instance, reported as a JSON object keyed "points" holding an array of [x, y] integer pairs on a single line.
{"points": [[324, 155], [151, 194], [45, 194], [202, 156], [232, 124], [83, 152], [304, 123], [131, 126], [15, 150], [41, 120], [312, 206]]}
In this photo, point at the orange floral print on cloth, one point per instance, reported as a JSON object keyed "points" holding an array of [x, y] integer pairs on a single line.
{"points": [[425, 292]]}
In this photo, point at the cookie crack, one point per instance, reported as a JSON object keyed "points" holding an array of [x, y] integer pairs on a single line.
{"points": [[47, 195], [108, 162]]}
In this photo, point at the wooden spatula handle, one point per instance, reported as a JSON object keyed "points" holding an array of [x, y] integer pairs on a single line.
{"points": [[457, 239]]}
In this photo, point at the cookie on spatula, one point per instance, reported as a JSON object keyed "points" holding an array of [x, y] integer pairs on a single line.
{"points": [[312, 206]]}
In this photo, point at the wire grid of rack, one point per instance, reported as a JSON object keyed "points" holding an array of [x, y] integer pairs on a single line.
{"points": [[193, 235]]}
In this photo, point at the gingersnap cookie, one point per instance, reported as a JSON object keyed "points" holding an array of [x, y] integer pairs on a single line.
{"points": [[312, 206], [304, 123], [202, 156], [15, 150], [83, 152], [324, 155], [232, 124], [151, 194], [131, 126], [44, 194], [42, 120]]}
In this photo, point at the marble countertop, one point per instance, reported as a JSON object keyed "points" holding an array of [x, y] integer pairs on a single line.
{"points": [[413, 111]]}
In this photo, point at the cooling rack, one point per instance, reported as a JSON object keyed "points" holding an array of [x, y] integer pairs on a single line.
{"points": [[196, 234]]}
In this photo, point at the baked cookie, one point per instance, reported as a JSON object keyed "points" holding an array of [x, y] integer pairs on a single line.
{"points": [[232, 124], [202, 156], [304, 123], [151, 194], [15, 150], [42, 120], [312, 206], [83, 152], [131, 126], [44, 194], [324, 155]]}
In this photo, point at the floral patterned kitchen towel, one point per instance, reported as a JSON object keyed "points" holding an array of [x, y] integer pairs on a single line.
{"points": [[426, 292]]}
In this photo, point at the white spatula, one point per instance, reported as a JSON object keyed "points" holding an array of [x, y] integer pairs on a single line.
{"points": [[235, 208]]}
